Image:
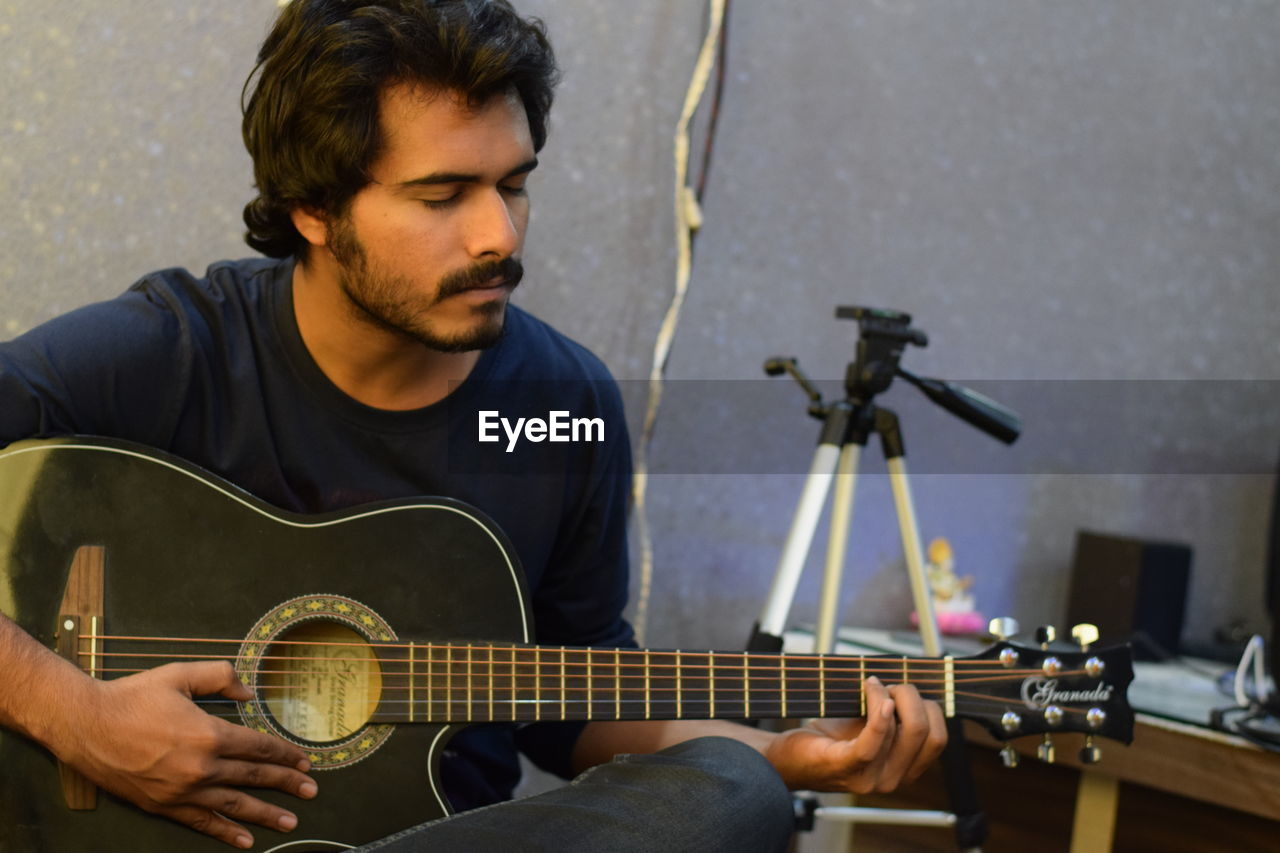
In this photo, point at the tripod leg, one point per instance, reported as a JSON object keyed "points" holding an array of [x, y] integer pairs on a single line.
{"points": [[920, 595], [767, 635], [824, 638], [971, 822], [773, 619]]}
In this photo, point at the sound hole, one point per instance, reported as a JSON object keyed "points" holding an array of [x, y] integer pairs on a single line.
{"points": [[321, 681]]}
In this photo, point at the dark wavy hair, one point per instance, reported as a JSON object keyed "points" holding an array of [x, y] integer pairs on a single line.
{"points": [[311, 122]]}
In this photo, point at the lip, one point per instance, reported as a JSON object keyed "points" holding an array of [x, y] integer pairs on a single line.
{"points": [[495, 288]]}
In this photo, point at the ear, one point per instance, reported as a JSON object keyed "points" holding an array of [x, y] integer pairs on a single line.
{"points": [[311, 224]]}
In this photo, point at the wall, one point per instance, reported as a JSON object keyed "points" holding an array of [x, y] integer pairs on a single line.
{"points": [[1064, 195]]}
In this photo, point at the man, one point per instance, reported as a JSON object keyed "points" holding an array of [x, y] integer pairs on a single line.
{"points": [[392, 142]]}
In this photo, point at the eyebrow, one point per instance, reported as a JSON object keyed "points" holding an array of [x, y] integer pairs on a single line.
{"points": [[436, 178]]}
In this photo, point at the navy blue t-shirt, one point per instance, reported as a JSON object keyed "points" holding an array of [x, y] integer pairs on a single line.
{"points": [[215, 371]]}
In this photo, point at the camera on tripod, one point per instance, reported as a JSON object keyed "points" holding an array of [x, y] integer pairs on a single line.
{"points": [[883, 335]]}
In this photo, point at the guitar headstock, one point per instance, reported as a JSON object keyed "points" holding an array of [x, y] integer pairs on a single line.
{"points": [[1014, 690]]}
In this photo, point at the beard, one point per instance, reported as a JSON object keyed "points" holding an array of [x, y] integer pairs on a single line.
{"points": [[391, 302]]}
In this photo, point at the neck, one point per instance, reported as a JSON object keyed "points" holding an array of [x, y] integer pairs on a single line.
{"points": [[482, 682], [376, 366]]}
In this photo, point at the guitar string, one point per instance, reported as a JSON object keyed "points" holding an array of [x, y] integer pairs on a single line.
{"points": [[454, 647], [730, 709], [677, 661], [456, 676]]}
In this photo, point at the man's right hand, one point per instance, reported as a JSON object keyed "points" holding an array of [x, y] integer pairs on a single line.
{"points": [[142, 738]]}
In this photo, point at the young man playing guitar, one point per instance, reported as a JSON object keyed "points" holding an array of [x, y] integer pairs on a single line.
{"points": [[391, 143]]}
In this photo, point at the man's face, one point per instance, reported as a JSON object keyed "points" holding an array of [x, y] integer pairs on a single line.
{"points": [[430, 248]]}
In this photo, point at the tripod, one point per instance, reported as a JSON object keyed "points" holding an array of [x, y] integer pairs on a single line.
{"points": [[847, 427]]}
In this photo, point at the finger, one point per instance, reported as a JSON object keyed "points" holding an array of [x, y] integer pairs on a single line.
{"points": [[206, 678], [934, 743], [878, 734], [913, 731], [236, 805], [239, 742], [210, 823], [253, 774]]}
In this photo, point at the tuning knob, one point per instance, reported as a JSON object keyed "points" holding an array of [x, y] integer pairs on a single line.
{"points": [[1085, 634], [1045, 635], [1009, 756], [1045, 751], [1003, 627], [1089, 753]]}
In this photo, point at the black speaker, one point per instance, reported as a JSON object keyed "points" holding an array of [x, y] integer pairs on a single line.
{"points": [[1131, 589]]}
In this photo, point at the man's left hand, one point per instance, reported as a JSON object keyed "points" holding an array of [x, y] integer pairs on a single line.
{"points": [[900, 736]]}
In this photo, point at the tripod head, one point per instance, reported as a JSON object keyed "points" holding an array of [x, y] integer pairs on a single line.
{"points": [[883, 335]]}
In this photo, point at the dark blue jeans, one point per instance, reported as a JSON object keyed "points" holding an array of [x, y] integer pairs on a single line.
{"points": [[704, 795]]}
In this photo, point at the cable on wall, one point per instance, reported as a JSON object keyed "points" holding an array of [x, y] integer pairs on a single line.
{"points": [[688, 220]]}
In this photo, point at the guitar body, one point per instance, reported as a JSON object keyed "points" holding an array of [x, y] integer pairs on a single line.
{"points": [[187, 555]]}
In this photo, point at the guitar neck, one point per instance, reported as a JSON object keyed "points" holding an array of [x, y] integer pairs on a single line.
{"points": [[483, 683]]}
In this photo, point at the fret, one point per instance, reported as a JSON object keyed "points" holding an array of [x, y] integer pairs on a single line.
{"points": [[746, 685], [904, 671], [679, 686], [862, 691], [537, 685], [525, 679], [564, 685], [590, 695], [647, 714], [635, 685], [949, 699], [412, 698], [448, 682], [469, 680], [617, 684], [711, 684], [496, 701], [822, 685], [515, 687], [782, 671], [665, 684], [431, 691], [695, 683]]}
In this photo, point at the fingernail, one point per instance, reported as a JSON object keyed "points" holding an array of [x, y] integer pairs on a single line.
{"points": [[287, 822], [308, 790], [244, 841], [873, 680]]}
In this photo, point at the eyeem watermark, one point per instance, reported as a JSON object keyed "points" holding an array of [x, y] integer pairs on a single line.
{"points": [[559, 426]]}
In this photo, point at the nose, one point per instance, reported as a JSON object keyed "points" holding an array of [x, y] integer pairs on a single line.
{"points": [[496, 226]]}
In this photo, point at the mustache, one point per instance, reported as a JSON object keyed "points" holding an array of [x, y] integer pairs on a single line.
{"points": [[509, 270]]}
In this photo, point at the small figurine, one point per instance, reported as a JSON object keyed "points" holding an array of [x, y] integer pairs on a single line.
{"points": [[953, 604]]}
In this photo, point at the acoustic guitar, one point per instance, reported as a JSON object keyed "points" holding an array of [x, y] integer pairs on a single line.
{"points": [[370, 636]]}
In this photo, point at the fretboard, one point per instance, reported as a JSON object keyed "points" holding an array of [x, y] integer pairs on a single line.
{"points": [[434, 683]]}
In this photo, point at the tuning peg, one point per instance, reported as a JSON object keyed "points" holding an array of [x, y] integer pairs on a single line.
{"points": [[1085, 634], [1045, 635], [1009, 756], [1089, 753], [1003, 627], [1045, 751]]}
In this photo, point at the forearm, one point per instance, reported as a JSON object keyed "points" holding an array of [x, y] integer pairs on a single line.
{"points": [[601, 741], [37, 684]]}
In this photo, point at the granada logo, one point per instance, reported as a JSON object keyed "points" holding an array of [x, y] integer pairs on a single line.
{"points": [[1040, 693]]}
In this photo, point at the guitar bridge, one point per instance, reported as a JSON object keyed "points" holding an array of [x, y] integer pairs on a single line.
{"points": [[82, 605]]}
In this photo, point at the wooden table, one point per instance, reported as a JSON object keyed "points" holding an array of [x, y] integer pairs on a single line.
{"points": [[1177, 788], [1189, 761]]}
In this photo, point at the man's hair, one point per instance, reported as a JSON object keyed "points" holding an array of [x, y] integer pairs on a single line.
{"points": [[311, 123]]}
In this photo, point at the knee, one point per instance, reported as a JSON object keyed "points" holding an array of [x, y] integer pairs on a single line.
{"points": [[741, 788]]}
